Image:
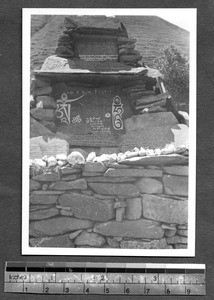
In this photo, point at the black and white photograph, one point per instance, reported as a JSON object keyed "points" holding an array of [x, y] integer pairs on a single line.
{"points": [[109, 132]]}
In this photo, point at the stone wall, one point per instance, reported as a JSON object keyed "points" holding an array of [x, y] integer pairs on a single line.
{"points": [[133, 200]]}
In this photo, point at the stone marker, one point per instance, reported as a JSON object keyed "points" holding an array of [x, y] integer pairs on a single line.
{"points": [[149, 120], [126, 190], [57, 226], [175, 185], [133, 209], [91, 239], [146, 229], [132, 172], [165, 209], [43, 199], [49, 145], [177, 170], [149, 186], [43, 213], [154, 244], [88, 207], [79, 184], [156, 160], [56, 241]]}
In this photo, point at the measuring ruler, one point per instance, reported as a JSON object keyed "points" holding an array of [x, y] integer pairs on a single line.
{"points": [[104, 278]]}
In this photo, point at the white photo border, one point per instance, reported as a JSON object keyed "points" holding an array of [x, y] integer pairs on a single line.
{"points": [[26, 40]]}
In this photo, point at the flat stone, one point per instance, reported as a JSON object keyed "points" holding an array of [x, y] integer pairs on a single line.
{"points": [[91, 239], [94, 167], [43, 213], [133, 209], [176, 239], [133, 173], [119, 204], [74, 234], [138, 244], [112, 243], [155, 137], [43, 199], [56, 241], [182, 232], [103, 197], [165, 209], [120, 213], [182, 227], [127, 190], [177, 170], [67, 213], [115, 165], [71, 177], [39, 207], [110, 179], [156, 160], [48, 192], [88, 207], [47, 177], [34, 185], [149, 186], [92, 174], [175, 185], [37, 129], [87, 192], [79, 184], [43, 91], [70, 170], [57, 226], [49, 145], [150, 120], [133, 229], [169, 227], [43, 114]]}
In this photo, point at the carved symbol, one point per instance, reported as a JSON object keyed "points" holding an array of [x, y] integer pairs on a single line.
{"points": [[117, 111]]}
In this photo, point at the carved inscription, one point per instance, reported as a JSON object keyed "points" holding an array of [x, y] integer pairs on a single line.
{"points": [[117, 112]]}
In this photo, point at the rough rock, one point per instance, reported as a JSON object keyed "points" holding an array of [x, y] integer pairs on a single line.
{"points": [[43, 114], [149, 120], [127, 190], [146, 229], [71, 177], [47, 192], [169, 233], [48, 144], [34, 185], [120, 213], [138, 244], [49, 125], [45, 186], [182, 227], [43, 91], [57, 226], [43, 213], [175, 185], [37, 129], [79, 184], [47, 102], [182, 232], [43, 199], [180, 246], [119, 204], [76, 158], [110, 179], [91, 239], [103, 197], [176, 239], [133, 173], [56, 241], [88, 207], [112, 243], [47, 177], [156, 160], [165, 209], [177, 170], [74, 234], [67, 213], [149, 186], [87, 192], [133, 209], [91, 174], [94, 167]]}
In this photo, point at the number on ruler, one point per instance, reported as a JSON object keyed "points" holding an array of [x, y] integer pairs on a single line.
{"points": [[147, 291], [47, 290], [87, 290], [66, 290], [188, 291], [168, 291], [107, 291], [127, 290], [26, 290]]}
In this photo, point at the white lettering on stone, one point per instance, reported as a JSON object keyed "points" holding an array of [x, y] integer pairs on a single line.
{"points": [[117, 112]]}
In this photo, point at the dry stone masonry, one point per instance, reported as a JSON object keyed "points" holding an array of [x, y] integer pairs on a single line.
{"points": [[108, 154]]}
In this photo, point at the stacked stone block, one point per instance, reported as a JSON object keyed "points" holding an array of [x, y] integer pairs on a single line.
{"points": [[110, 201]]}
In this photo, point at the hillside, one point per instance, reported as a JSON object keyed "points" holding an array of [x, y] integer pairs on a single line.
{"points": [[152, 34]]}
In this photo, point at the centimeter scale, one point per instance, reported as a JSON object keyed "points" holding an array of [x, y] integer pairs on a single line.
{"points": [[104, 278]]}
